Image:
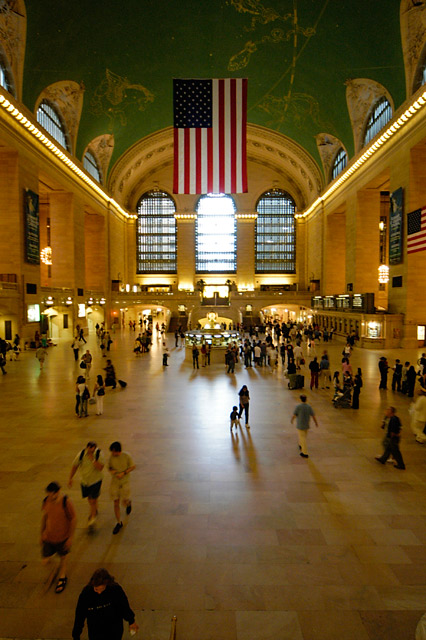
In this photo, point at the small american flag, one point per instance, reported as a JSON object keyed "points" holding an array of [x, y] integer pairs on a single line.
{"points": [[416, 231], [210, 121]]}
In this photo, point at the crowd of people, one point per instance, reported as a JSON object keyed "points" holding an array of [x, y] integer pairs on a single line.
{"points": [[264, 347]]}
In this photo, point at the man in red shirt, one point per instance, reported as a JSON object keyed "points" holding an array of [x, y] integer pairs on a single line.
{"points": [[57, 529]]}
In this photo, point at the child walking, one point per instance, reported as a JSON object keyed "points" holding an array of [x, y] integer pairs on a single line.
{"points": [[235, 421]]}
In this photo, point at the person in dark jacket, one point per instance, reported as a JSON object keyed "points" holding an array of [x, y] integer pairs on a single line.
{"points": [[357, 389], [391, 441], [104, 605], [383, 368], [314, 368], [411, 381]]}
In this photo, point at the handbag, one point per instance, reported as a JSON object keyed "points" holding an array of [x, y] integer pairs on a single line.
{"points": [[101, 391], [83, 365], [92, 400]]}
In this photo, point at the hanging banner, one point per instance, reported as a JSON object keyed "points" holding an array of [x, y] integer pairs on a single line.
{"points": [[395, 226], [32, 224]]}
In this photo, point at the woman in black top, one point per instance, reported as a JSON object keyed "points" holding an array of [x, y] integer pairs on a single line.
{"points": [[104, 605], [244, 403]]}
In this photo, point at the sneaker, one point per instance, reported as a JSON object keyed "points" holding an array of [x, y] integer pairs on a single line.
{"points": [[129, 508], [304, 455], [398, 466], [380, 460], [117, 528]]}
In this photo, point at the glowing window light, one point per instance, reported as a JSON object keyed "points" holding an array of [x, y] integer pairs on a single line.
{"points": [[383, 274]]}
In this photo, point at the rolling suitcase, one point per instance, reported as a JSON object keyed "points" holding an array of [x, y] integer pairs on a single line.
{"points": [[300, 381]]}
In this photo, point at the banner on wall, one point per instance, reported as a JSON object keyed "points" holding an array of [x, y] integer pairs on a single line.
{"points": [[32, 227], [395, 226]]}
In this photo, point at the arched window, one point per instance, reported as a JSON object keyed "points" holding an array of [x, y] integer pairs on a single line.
{"points": [[91, 166], [275, 233], [379, 117], [50, 120], [215, 233], [156, 234], [6, 77], [340, 162]]}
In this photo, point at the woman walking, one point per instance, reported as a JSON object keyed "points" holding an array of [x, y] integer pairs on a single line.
{"points": [[244, 404], [99, 392]]}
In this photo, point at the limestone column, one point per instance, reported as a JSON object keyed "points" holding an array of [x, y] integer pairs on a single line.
{"points": [[408, 298], [67, 239], [185, 249], [245, 249], [362, 240], [334, 258]]}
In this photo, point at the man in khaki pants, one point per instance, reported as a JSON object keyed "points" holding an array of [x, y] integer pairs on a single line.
{"points": [[303, 413]]}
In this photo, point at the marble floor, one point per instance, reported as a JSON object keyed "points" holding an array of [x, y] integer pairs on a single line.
{"points": [[237, 536]]}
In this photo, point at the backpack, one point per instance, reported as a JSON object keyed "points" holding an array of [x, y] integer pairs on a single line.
{"points": [[64, 505], [97, 454], [86, 393]]}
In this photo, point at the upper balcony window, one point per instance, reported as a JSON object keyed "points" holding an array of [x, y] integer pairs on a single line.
{"points": [[91, 166], [215, 233], [275, 233], [156, 233], [340, 162], [379, 117], [50, 120]]}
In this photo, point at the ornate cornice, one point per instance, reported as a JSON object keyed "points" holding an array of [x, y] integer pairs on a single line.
{"points": [[273, 150]]}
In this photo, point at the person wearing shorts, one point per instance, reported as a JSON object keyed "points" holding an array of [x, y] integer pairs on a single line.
{"points": [[90, 463], [57, 529], [120, 465]]}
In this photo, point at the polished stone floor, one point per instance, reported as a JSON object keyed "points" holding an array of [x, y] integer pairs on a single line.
{"points": [[238, 536]]}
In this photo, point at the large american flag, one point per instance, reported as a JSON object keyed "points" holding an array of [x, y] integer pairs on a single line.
{"points": [[210, 121], [416, 231]]}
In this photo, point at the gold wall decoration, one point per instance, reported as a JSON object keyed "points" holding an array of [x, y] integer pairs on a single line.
{"points": [[361, 95], [13, 27], [67, 96], [115, 94]]}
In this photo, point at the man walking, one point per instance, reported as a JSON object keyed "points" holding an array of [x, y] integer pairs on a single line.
{"points": [[120, 465], [391, 440], [90, 463], [57, 529], [303, 413]]}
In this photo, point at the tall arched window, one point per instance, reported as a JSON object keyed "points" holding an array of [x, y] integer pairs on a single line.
{"points": [[91, 166], [156, 234], [379, 117], [50, 120], [340, 162], [216, 237], [275, 233]]}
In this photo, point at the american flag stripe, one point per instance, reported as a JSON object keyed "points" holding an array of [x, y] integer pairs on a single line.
{"points": [[416, 231], [213, 159]]}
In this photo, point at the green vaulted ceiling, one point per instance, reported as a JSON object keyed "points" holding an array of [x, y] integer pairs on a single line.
{"points": [[296, 54]]}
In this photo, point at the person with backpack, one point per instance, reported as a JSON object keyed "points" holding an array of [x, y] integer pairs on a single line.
{"points": [[57, 530], [90, 463], [82, 397]]}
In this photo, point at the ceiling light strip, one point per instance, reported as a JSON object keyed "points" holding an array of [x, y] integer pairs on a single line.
{"points": [[385, 137], [39, 135]]}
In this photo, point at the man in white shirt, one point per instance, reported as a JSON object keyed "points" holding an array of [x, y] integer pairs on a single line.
{"points": [[90, 462]]}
